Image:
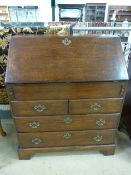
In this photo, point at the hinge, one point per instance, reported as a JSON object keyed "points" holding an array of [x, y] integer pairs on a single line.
{"points": [[11, 92], [122, 92]]}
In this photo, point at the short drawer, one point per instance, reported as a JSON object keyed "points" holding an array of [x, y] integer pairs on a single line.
{"points": [[88, 106], [62, 91], [66, 122], [44, 107], [48, 139]]}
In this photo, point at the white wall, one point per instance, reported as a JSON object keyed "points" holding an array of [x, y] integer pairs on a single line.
{"points": [[45, 11]]}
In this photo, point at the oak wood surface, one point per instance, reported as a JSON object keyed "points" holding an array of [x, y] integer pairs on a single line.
{"points": [[66, 90], [126, 112], [26, 108], [49, 139], [47, 59], [66, 95], [85, 106], [26, 153], [66, 122]]}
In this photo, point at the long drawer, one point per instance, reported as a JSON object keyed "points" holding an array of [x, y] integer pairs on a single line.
{"points": [[48, 139], [66, 122], [66, 90], [87, 106], [44, 107]]}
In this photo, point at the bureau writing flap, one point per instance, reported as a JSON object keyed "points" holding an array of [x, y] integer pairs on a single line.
{"points": [[65, 59]]}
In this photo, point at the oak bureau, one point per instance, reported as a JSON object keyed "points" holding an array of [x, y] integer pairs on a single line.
{"points": [[66, 93]]}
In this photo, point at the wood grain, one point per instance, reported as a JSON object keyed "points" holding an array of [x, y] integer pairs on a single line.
{"points": [[66, 97], [66, 90], [111, 105], [77, 138], [66, 122], [28, 152], [47, 59], [26, 108]]}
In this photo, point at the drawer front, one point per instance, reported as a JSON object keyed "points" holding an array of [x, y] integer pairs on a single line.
{"points": [[33, 108], [95, 106], [67, 122], [48, 139], [66, 90]]}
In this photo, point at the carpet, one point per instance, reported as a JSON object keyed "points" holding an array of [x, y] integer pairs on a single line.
{"points": [[73, 163]]}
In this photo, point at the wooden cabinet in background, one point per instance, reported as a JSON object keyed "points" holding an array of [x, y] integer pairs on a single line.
{"points": [[95, 12], [71, 12], [123, 12], [4, 14]]}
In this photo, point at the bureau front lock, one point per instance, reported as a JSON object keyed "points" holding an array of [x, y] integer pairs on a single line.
{"points": [[67, 135], [98, 138], [67, 120]]}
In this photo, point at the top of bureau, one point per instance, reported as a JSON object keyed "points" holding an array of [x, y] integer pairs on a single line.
{"points": [[65, 59]]}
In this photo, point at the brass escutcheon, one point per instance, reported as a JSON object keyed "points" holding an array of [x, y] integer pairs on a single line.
{"points": [[98, 138], [66, 42], [67, 120], [67, 135]]}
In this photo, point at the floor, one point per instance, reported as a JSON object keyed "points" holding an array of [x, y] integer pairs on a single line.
{"points": [[72, 163]]}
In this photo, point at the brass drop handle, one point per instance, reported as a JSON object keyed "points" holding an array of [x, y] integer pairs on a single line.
{"points": [[98, 138], [40, 108], [34, 125], [67, 135], [95, 106], [67, 120], [36, 141], [100, 122]]}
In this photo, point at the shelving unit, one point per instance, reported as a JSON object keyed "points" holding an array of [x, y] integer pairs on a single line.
{"points": [[71, 12], [123, 12], [4, 14], [23, 13], [95, 12]]}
